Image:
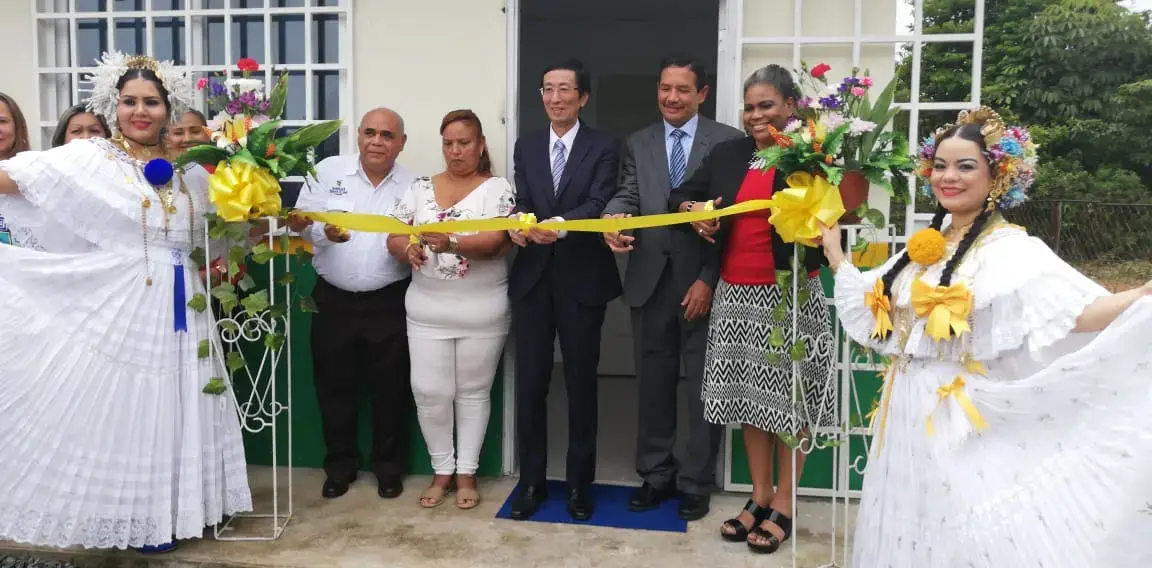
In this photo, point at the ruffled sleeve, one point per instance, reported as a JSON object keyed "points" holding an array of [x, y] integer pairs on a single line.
{"points": [[76, 185], [1025, 297], [851, 309]]}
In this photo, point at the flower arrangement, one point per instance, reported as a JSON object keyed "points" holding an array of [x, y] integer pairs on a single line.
{"points": [[249, 157], [839, 129], [1010, 151]]}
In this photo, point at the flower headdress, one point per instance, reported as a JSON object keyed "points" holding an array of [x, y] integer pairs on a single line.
{"points": [[1009, 150], [114, 64]]}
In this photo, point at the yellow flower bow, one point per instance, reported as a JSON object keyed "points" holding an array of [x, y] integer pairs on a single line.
{"points": [[957, 390], [881, 307], [799, 209], [947, 308], [241, 190]]}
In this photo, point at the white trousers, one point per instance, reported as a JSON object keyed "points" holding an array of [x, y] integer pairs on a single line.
{"points": [[451, 383]]}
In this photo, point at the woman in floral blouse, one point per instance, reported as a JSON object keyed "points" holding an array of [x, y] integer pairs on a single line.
{"points": [[457, 305]]}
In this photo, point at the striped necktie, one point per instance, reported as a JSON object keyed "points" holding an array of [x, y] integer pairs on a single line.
{"points": [[677, 165], [557, 165]]}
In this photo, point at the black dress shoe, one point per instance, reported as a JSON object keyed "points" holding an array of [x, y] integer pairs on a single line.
{"points": [[337, 486], [389, 487], [580, 504], [528, 500], [694, 506], [649, 497]]}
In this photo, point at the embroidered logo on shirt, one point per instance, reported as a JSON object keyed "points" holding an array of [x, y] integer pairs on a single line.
{"points": [[339, 189]]}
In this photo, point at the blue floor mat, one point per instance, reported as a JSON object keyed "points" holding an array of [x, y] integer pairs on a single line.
{"points": [[611, 510]]}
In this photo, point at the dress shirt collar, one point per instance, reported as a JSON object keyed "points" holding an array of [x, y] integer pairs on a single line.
{"points": [[689, 127], [354, 167], [568, 138]]}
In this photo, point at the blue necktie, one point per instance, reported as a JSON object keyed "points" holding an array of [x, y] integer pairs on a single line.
{"points": [[557, 165], [677, 165]]}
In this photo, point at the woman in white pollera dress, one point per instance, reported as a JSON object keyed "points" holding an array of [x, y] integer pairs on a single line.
{"points": [[106, 438]]}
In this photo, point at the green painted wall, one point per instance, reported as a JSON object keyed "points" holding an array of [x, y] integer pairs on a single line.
{"points": [[307, 441]]}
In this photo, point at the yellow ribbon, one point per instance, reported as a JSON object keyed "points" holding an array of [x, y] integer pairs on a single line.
{"points": [[889, 376], [242, 190], [799, 209], [525, 221], [957, 391], [881, 307], [947, 309]]}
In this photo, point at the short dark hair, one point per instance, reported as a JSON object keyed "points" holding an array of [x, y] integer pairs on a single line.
{"points": [[682, 60], [199, 116], [583, 77], [62, 126]]}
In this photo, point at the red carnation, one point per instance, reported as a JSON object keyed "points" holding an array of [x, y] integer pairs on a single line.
{"points": [[248, 64], [819, 70]]}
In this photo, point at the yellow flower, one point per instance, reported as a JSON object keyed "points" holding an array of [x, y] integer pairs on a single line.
{"points": [[926, 247]]}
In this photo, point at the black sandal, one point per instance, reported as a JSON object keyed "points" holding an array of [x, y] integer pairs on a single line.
{"points": [[773, 543], [740, 532]]}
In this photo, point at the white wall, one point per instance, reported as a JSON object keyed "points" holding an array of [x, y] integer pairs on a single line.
{"points": [[18, 79], [424, 59]]}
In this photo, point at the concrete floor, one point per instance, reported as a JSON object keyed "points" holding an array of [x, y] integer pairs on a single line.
{"points": [[361, 530]]}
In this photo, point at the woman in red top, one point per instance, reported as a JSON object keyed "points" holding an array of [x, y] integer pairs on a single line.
{"points": [[747, 379]]}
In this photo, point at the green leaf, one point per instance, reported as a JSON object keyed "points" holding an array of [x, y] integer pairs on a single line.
{"points": [[225, 293], [308, 305], [199, 303], [784, 279], [234, 361], [274, 341], [860, 246], [236, 254], [780, 312], [834, 173], [256, 302], [261, 253], [233, 270], [773, 358], [874, 216], [309, 136], [287, 278], [303, 254], [204, 154], [776, 337], [229, 326], [799, 350], [803, 296], [260, 137], [278, 310], [246, 283], [278, 97], [237, 231], [202, 349], [216, 386], [197, 256]]}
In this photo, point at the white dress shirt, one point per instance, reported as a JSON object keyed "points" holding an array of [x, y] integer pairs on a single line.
{"points": [[689, 129], [568, 138], [361, 264]]}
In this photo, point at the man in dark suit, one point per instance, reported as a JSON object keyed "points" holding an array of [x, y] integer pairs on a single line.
{"points": [[560, 284], [669, 290]]}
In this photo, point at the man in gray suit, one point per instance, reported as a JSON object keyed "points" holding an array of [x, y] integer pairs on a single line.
{"points": [[669, 290]]}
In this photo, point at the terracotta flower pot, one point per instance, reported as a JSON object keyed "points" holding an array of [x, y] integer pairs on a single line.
{"points": [[854, 192]]}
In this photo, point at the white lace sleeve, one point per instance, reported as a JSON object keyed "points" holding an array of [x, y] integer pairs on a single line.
{"points": [[1025, 297], [853, 313]]}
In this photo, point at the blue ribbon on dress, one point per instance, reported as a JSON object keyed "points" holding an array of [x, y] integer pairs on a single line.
{"points": [[179, 295]]}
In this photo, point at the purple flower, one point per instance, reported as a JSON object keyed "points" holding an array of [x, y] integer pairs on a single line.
{"points": [[804, 102], [928, 148], [994, 154], [830, 102], [218, 89], [234, 107]]}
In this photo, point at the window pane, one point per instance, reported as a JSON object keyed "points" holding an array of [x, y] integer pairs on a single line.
{"points": [[247, 3], [326, 94], [287, 39], [51, 6], [214, 40], [55, 95], [130, 35], [325, 2], [46, 137], [214, 4], [168, 38], [53, 43], [326, 38], [91, 5], [91, 40], [297, 101], [167, 4], [128, 5], [288, 3], [248, 37]]}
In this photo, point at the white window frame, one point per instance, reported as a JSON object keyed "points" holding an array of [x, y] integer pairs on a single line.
{"points": [[55, 97], [733, 42]]}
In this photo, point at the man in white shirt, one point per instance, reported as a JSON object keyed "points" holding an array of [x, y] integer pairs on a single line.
{"points": [[359, 336]]}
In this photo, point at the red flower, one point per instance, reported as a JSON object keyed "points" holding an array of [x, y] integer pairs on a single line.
{"points": [[819, 70], [248, 64]]}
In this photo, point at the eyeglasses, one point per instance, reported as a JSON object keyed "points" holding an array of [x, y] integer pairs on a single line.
{"points": [[561, 90]]}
